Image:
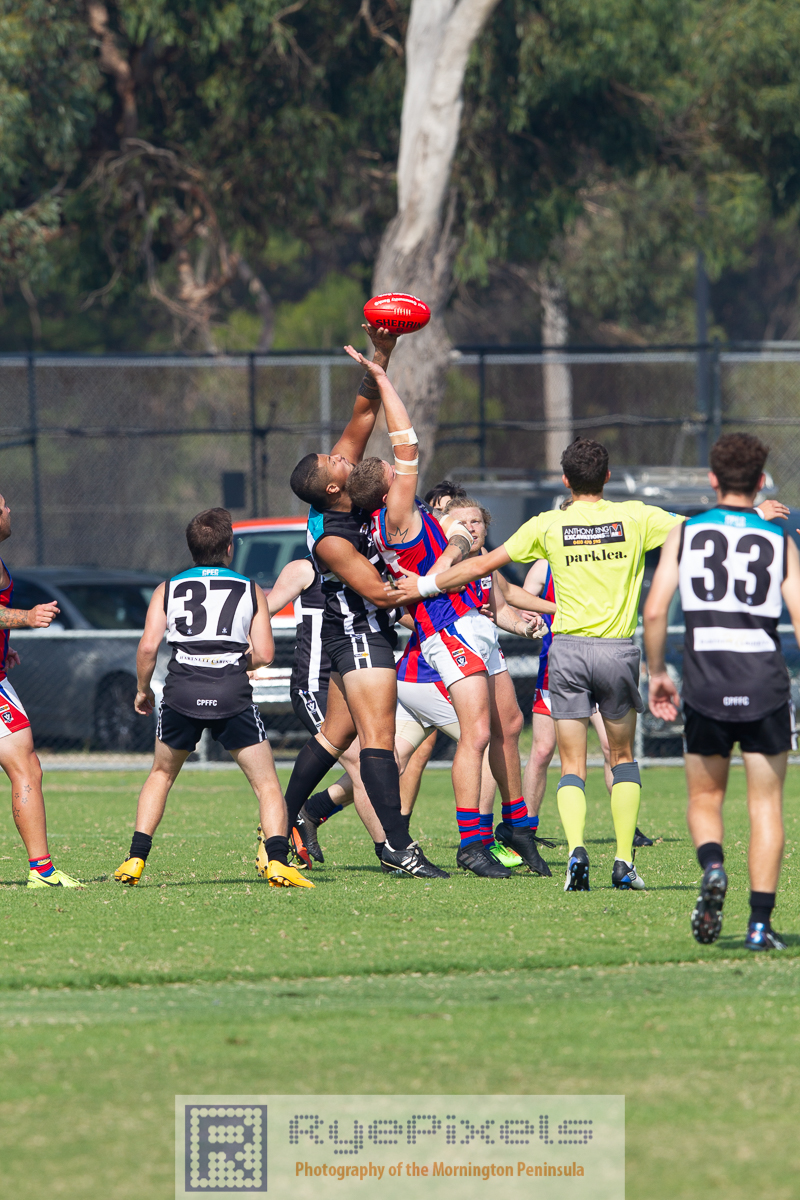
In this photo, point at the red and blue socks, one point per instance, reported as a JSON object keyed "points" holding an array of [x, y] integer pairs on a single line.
{"points": [[43, 865], [469, 829], [516, 813], [533, 823], [485, 823]]}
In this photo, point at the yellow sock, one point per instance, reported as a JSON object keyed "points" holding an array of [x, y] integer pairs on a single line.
{"points": [[625, 796], [571, 796]]}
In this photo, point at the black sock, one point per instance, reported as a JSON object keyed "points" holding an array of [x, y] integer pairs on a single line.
{"points": [[277, 848], [761, 906], [708, 853], [381, 781], [310, 767], [141, 845], [378, 848], [320, 807]]}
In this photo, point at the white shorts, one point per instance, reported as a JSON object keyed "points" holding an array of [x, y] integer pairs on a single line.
{"points": [[467, 647], [13, 717], [422, 707]]}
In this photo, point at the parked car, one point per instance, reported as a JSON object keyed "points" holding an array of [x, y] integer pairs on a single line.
{"points": [[77, 679]]}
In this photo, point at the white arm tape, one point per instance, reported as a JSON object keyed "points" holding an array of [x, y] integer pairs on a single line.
{"points": [[458, 530], [427, 586], [406, 466], [404, 437], [760, 512]]}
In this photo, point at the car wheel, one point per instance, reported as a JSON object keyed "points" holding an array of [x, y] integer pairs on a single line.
{"points": [[117, 725]]}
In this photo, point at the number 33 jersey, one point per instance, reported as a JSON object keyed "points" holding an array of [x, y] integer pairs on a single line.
{"points": [[731, 567], [209, 613]]}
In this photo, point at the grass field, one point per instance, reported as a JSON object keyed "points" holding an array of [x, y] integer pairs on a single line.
{"points": [[204, 980]]}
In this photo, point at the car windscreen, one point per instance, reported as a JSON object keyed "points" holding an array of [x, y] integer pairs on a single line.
{"points": [[263, 555], [110, 605]]}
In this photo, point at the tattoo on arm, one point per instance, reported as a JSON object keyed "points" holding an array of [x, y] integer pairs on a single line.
{"points": [[461, 544], [369, 388], [13, 618]]}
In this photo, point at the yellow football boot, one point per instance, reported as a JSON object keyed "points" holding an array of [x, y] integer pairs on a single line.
{"points": [[279, 875], [57, 879], [262, 861], [130, 872]]}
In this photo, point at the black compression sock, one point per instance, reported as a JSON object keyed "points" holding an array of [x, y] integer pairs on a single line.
{"points": [[761, 906], [378, 848], [708, 853], [141, 845], [310, 767], [381, 781], [277, 848], [320, 807]]}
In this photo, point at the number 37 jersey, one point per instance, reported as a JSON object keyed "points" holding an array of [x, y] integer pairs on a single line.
{"points": [[731, 568], [209, 612]]}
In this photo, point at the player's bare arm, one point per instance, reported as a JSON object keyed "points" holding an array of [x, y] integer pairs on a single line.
{"points": [[453, 580], [155, 627], [663, 695], [341, 557], [38, 617], [536, 577], [262, 643], [353, 442], [292, 582], [790, 588], [403, 522]]}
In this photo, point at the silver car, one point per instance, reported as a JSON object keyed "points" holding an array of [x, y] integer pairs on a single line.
{"points": [[77, 679]]}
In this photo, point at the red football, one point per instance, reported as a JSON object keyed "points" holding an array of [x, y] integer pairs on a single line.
{"points": [[397, 312]]}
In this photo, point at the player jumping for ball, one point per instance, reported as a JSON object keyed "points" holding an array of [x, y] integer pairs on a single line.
{"points": [[217, 623], [457, 641], [733, 569]]}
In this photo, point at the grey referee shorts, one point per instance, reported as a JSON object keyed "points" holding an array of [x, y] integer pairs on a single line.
{"points": [[587, 671]]}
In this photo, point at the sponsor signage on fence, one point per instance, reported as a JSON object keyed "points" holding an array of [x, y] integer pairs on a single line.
{"points": [[443, 1147]]}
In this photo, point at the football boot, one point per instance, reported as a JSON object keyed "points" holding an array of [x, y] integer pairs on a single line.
{"points": [[577, 871], [763, 937], [504, 855], [307, 828], [521, 839], [60, 879], [410, 861], [279, 875], [624, 877], [707, 915], [477, 858], [130, 872], [641, 839]]}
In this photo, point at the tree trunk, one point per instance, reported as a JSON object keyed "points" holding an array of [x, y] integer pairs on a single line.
{"points": [[557, 377], [417, 249]]}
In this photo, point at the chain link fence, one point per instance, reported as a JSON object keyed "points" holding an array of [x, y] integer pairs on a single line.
{"points": [[104, 459]]}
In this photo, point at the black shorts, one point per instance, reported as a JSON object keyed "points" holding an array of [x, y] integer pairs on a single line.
{"points": [[773, 734], [359, 652], [180, 732], [309, 707]]}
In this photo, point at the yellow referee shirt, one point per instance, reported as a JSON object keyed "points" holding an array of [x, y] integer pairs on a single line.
{"points": [[596, 553]]}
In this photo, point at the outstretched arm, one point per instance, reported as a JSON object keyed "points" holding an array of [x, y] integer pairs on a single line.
{"points": [[358, 430], [262, 643], [457, 577], [403, 521], [663, 695]]}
